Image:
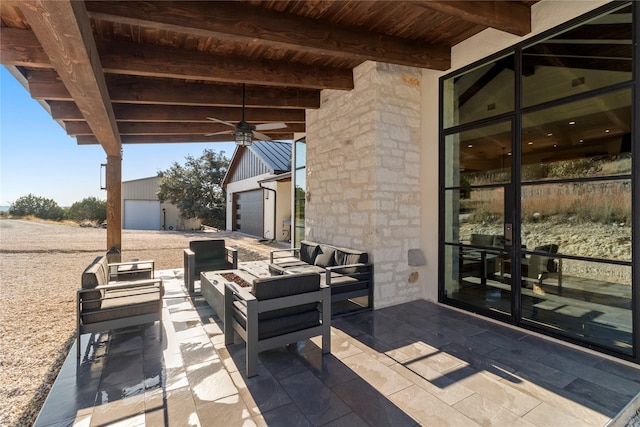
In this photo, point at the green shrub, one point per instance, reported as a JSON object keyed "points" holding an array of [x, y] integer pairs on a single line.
{"points": [[39, 207], [88, 209]]}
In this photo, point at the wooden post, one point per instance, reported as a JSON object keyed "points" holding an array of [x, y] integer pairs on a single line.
{"points": [[114, 204]]}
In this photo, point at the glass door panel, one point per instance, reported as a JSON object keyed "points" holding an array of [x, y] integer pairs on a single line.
{"points": [[478, 175], [576, 217]]}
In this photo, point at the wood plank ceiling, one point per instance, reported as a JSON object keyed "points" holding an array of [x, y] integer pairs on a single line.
{"points": [[128, 72]]}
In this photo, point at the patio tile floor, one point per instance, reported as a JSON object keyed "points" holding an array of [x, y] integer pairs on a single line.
{"points": [[418, 363]]}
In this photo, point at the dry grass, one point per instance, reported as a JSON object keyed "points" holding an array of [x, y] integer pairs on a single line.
{"points": [[40, 268]]}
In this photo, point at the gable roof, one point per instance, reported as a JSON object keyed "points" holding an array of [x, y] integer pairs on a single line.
{"points": [[261, 157]]}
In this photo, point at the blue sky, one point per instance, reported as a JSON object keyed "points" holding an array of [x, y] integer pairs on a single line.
{"points": [[38, 157]]}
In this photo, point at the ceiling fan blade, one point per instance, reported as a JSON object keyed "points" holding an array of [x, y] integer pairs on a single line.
{"points": [[213, 119], [219, 133], [271, 126], [261, 136]]}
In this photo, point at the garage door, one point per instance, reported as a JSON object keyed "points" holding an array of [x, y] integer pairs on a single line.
{"points": [[141, 215], [249, 212]]}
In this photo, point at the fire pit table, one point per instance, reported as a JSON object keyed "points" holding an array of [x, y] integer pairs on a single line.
{"points": [[212, 286]]}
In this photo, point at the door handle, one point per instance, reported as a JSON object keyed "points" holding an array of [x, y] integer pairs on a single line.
{"points": [[508, 234]]}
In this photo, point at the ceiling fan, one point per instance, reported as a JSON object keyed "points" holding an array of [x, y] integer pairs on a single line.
{"points": [[243, 132]]}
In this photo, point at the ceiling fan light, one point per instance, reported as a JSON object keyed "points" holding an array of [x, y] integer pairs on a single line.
{"points": [[243, 138]]}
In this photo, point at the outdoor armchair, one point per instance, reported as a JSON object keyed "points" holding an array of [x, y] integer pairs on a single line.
{"points": [[207, 255], [102, 304], [275, 312]]}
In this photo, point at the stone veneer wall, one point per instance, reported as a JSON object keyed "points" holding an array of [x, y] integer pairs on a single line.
{"points": [[363, 174]]}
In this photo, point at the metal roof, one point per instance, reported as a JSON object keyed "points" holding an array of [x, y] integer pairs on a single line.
{"points": [[276, 154]]}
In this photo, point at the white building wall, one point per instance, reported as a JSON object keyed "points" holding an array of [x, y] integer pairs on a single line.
{"points": [[372, 160]]}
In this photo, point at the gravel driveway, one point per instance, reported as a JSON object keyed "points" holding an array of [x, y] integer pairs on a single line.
{"points": [[40, 268]]}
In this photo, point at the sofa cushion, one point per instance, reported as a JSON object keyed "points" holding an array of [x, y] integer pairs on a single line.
{"points": [[308, 251], [290, 284], [125, 303], [94, 275], [341, 284], [208, 251], [325, 256], [348, 256]]}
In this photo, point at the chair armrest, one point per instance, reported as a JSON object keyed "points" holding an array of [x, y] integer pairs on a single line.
{"points": [[233, 254], [292, 251], [130, 285], [118, 264]]}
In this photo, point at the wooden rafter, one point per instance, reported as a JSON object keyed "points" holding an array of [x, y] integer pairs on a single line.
{"points": [[173, 139], [21, 47], [263, 27], [512, 17], [143, 128], [138, 90], [63, 29], [68, 111]]}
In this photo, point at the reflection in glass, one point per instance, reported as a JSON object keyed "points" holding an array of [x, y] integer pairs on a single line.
{"points": [[584, 300], [473, 211], [593, 55], [478, 277], [299, 218], [586, 138], [479, 156], [301, 183], [588, 219], [480, 93], [301, 153]]}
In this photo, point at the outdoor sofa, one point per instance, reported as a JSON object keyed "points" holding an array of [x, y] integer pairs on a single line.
{"points": [[277, 311], [105, 301], [347, 272], [207, 255]]}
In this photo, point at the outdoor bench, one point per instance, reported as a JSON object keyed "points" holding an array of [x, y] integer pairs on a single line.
{"points": [[347, 272], [104, 302]]}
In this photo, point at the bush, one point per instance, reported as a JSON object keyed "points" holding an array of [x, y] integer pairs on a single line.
{"points": [[88, 209], [39, 207]]}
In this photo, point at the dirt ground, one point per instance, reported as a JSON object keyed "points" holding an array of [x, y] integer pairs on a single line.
{"points": [[40, 268]]}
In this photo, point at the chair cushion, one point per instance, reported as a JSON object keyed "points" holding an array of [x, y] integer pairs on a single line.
{"points": [[208, 251], [94, 275], [212, 266], [485, 240], [264, 288], [308, 251], [279, 322], [551, 266], [325, 256]]}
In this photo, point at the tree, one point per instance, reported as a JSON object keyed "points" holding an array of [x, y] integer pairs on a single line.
{"points": [[196, 188], [88, 209], [39, 207]]}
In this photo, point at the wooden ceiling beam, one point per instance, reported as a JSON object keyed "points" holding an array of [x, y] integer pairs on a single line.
{"points": [[145, 128], [68, 111], [257, 26], [167, 62], [64, 31], [173, 139], [508, 16], [21, 47], [140, 90]]}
